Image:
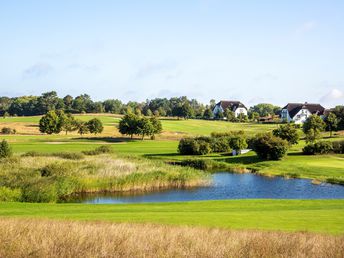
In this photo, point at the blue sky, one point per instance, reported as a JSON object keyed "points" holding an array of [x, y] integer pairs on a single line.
{"points": [[253, 51]]}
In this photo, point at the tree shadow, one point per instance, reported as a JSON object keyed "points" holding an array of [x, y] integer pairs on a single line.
{"points": [[106, 139], [241, 159], [162, 155]]}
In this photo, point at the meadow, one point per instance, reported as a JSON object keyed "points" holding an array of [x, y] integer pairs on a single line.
{"points": [[102, 239], [320, 168]]}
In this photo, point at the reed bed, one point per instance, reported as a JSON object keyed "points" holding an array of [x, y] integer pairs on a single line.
{"points": [[47, 238], [53, 178]]}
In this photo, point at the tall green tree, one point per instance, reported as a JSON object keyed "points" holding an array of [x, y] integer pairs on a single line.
{"points": [[313, 127], [128, 125], [95, 126], [287, 132], [157, 127], [50, 123], [230, 115], [331, 122]]}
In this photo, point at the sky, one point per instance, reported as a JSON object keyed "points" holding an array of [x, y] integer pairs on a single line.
{"points": [[253, 51]]}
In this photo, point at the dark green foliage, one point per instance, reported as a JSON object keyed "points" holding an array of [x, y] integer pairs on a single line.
{"points": [[50, 123], [287, 132], [338, 147], [132, 124], [208, 114], [269, 147], [82, 128], [128, 125], [95, 126], [264, 109], [220, 144], [194, 146], [230, 115], [331, 122], [5, 150], [322, 147], [312, 128], [100, 150], [7, 130]]}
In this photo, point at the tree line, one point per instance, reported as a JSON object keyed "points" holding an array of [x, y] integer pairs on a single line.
{"points": [[172, 107]]}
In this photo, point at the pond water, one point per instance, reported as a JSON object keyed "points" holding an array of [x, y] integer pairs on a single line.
{"points": [[228, 186]]}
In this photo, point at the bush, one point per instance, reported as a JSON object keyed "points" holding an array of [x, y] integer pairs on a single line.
{"points": [[9, 195], [220, 144], [194, 146], [323, 147], [39, 190], [7, 130], [32, 154], [100, 150], [187, 146], [270, 147], [287, 132], [338, 147], [68, 155], [5, 149]]}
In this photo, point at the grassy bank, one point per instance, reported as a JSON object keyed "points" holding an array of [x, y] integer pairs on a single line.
{"points": [[39, 177], [46, 238], [286, 215]]}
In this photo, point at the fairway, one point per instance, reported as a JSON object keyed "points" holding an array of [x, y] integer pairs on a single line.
{"points": [[326, 216]]}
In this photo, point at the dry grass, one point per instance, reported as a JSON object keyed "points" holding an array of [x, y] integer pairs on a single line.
{"points": [[45, 238]]}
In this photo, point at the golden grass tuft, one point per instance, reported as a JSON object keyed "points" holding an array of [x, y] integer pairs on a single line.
{"points": [[46, 238]]}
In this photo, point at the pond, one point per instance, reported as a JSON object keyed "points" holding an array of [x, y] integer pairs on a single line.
{"points": [[228, 186]]}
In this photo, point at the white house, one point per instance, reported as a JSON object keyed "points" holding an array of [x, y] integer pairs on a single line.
{"points": [[298, 112], [236, 106]]}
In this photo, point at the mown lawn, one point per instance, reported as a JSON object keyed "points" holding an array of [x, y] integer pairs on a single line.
{"points": [[325, 216]]}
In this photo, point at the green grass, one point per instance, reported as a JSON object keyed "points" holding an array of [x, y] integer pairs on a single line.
{"points": [[286, 215]]}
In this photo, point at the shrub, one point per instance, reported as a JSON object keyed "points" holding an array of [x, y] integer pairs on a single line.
{"points": [[39, 190], [187, 146], [68, 155], [204, 148], [32, 154], [9, 195], [220, 144], [338, 147], [100, 150], [323, 147], [270, 147], [287, 132], [8, 130], [5, 149], [194, 146]]}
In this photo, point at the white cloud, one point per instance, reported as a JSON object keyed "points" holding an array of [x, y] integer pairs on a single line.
{"points": [[335, 96]]}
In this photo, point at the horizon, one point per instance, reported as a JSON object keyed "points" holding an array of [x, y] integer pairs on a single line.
{"points": [[248, 51]]}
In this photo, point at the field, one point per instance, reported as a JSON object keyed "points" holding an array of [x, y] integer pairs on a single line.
{"points": [[323, 168], [102, 239], [274, 224], [282, 215]]}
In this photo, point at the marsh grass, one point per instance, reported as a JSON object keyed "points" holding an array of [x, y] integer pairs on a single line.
{"points": [[48, 238], [52, 178]]}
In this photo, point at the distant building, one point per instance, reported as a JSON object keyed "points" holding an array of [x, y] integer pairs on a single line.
{"points": [[298, 112], [236, 106]]}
